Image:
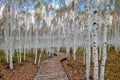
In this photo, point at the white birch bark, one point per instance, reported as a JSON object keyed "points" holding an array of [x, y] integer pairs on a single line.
{"points": [[19, 44], [11, 56], [100, 35], [11, 38], [88, 49], [95, 43], [104, 54], [6, 44], [25, 45], [11, 47], [40, 57], [7, 55], [95, 53], [36, 40]]}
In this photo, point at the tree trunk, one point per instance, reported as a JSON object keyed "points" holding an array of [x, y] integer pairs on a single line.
{"points": [[40, 57], [104, 55], [95, 46]]}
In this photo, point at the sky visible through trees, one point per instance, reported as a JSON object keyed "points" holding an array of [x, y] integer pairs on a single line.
{"points": [[57, 2]]}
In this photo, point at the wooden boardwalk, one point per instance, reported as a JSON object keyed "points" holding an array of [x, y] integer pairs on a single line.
{"points": [[51, 69]]}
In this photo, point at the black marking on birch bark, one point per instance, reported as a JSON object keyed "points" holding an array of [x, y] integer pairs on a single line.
{"points": [[94, 42], [105, 9], [94, 46], [94, 23], [107, 26], [105, 42], [94, 35], [95, 12]]}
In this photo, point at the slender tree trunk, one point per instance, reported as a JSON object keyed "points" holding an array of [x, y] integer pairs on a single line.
{"points": [[95, 46], [19, 44], [24, 54], [100, 36], [95, 53], [104, 55], [88, 53], [6, 50], [6, 43], [7, 55], [25, 45], [11, 57], [11, 49], [36, 51], [40, 58]]}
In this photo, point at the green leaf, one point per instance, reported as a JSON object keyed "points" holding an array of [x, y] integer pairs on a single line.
{"points": [[73, 4], [38, 5]]}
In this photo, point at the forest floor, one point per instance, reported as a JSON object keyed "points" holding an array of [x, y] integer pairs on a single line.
{"points": [[22, 71], [76, 70]]}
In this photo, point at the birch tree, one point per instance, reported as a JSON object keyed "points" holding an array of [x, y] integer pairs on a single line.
{"points": [[88, 48], [37, 18], [104, 54], [95, 43]]}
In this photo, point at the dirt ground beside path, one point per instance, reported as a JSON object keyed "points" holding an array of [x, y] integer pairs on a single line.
{"points": [[23, 71], [77, 71]]}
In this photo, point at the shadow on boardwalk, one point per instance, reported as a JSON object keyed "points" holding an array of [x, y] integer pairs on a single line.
{"points": [[51, 69]]}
